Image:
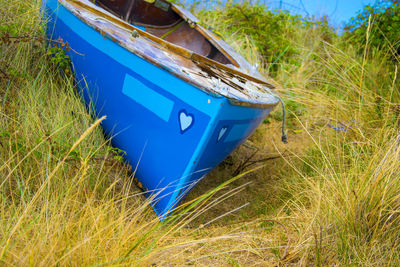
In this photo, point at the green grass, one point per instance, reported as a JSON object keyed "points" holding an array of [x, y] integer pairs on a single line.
{"points": [[331, 198]]}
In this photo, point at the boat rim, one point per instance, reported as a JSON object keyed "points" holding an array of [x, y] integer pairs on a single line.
{"points": [[181, 51]]}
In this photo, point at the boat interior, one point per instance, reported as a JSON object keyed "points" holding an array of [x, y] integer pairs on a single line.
{"points": [[158, 18]]}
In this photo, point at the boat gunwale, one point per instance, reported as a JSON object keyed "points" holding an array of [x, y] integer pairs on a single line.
{"points": [[180, 51]]}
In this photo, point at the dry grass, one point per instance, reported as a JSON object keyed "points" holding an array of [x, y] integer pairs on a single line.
{"points": [[332, 198]]}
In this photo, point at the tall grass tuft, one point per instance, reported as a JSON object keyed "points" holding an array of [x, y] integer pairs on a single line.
{"points": [[332, 198]]}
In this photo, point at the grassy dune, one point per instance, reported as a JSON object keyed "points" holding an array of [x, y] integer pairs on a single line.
{"points": [[331, 196]]}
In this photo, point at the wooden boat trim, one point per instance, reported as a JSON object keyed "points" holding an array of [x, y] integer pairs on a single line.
{"points": [[174, 48], [183, 52]]}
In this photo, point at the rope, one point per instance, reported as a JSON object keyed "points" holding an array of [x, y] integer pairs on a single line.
{"points": [[208, 27], [284, 135], [172, 30]]}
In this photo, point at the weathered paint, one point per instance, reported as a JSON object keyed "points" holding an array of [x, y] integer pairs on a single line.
{"points": [[173, 145], [194, 68]]}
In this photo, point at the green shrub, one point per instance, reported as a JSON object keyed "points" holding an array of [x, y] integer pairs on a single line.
{"points": [[275, 34], [382, 20], [267, 29]]}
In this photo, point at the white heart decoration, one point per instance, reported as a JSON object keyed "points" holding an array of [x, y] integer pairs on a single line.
{"points": [[222, 133], [186, 120]]}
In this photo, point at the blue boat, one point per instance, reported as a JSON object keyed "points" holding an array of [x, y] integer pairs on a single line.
{"points": [[177, 98]]}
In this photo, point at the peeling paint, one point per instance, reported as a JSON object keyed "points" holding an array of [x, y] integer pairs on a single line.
{"points": [[207, 75]]}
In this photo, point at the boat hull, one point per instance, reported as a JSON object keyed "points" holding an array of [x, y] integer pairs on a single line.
{"points": [[173, 133]]}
